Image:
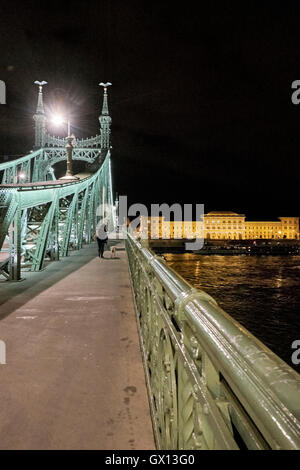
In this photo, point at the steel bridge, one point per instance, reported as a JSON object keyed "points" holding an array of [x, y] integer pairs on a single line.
{"points": [[211, 384], [42, 218]]}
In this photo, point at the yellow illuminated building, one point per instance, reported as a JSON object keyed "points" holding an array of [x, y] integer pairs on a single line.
{"points": [[221, 225], [224, 225]]}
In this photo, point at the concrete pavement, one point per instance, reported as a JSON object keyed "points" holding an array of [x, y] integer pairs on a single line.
{"points": [[74, 377]]}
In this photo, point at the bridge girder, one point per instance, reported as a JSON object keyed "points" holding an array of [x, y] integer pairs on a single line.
{"points": [[44, 220]]}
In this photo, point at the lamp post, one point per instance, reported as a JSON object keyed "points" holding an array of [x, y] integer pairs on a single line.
{"points": [[69, 148], [58, 120]]}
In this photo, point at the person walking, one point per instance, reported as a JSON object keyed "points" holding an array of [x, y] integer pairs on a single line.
{"points": [[101, 237]]}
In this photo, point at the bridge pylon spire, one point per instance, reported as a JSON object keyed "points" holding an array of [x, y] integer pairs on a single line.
{"points": [[40, 118], [105, 121]]}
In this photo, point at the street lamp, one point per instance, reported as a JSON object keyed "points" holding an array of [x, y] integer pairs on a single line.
{"points": [[58, 121]]}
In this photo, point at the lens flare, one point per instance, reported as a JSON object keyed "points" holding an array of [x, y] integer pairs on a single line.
{"points": [[58, 120]]}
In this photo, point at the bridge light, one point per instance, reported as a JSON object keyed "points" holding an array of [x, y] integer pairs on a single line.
{"points": [[58, 120], [21, 177]]}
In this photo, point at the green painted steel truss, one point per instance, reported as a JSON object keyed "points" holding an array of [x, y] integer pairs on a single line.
{"points": [[38, 165], [41, 221]]}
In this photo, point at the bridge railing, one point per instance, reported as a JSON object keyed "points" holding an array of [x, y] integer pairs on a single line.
{"points": [[37, 165], [211, 383], [42, 220], [10, 171]]}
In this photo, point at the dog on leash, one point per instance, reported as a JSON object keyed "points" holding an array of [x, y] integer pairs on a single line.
{"points": [[112, 251]]}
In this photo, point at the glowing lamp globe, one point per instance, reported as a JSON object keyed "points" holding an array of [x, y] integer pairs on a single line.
{"points": [[58, 120]]}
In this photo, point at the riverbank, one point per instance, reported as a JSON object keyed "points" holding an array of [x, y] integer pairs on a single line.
{"points": [[230, 247]]}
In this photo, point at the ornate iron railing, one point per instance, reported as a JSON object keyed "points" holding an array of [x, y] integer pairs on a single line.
{"points": [[9, 171], [38, 165], [211, 383], [53, 141]]}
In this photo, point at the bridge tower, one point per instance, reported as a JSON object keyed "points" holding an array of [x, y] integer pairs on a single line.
{"points": [[40, 118], [105, 121]]}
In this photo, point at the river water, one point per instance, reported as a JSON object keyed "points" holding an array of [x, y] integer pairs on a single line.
{"points": [[261, 292]]}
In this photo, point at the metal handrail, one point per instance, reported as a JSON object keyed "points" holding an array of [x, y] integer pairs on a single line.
{"points": [[256, 393]]}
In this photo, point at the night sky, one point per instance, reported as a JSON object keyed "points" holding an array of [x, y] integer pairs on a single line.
{"points": [[201, 98]]}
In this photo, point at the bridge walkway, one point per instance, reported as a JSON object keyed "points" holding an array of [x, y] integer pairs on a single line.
{"points": [[73, 377]]}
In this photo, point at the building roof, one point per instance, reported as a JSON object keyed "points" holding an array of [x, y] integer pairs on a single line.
{"points": [[222, 213]]}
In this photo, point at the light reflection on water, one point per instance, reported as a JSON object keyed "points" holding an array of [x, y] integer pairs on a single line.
{"points": [[260, 292]]}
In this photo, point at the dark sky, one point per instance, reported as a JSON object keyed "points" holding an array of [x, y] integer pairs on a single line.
{"points": [[201, 97]]}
